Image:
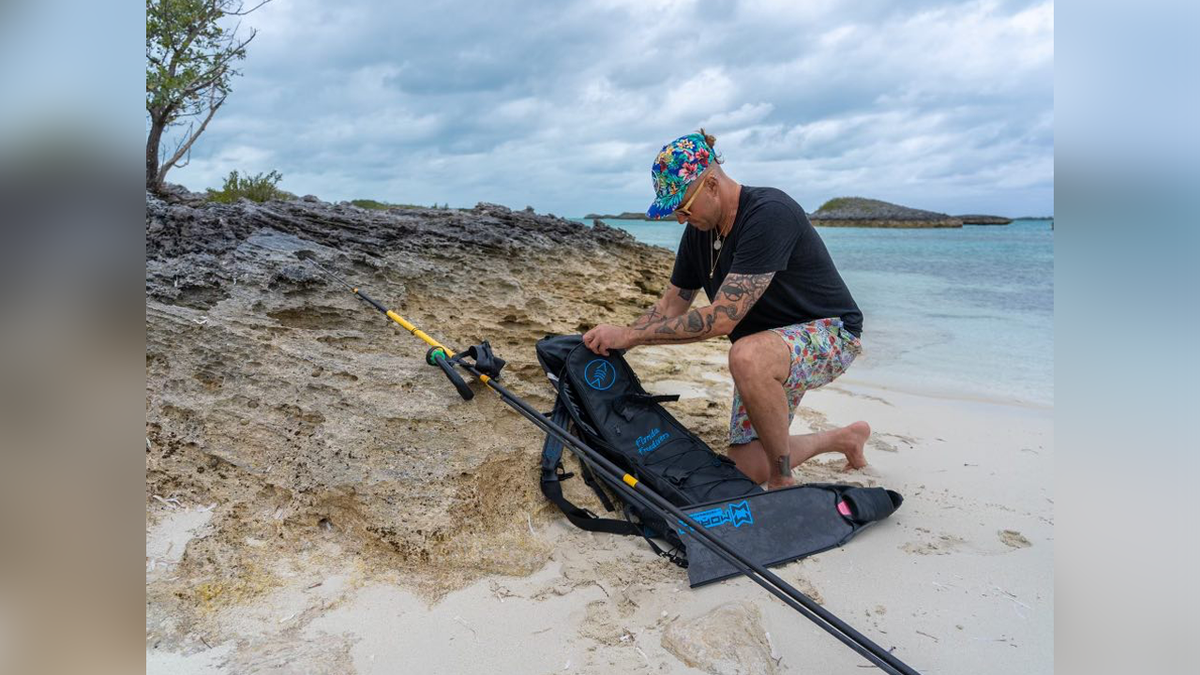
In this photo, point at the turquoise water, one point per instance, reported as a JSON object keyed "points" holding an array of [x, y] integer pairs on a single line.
{"points": [[954, 312]]}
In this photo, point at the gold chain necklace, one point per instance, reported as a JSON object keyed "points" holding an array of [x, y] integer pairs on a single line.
{"points": [[716, 246], [718, 241]]}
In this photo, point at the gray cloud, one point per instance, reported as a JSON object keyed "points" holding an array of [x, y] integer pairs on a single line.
{"points": [[940, 106]]}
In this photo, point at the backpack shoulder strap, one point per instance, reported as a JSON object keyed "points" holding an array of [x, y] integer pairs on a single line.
{"points": [[553, 475]]}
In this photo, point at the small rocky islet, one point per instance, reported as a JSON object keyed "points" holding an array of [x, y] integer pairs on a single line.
{"points": [[863, 212]]}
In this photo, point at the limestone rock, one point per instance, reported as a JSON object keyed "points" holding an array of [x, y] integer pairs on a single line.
{"points": [[309, 421], [603, 231]]}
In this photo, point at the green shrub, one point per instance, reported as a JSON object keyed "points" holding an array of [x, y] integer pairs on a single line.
{"points": [[836, 203], [375, 204], [370, 204], [258, 188]]}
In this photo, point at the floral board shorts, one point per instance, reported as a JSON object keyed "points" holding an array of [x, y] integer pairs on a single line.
{"points": [[821, 350]]}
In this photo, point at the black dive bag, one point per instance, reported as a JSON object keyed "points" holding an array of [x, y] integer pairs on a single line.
{"points": [[605, 403]]}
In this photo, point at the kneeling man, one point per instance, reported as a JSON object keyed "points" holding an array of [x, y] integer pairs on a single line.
{"points": [[773, 290]]}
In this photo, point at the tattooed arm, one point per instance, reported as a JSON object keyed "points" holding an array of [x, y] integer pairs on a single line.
{"points": [[674, 302], [734, 299]]}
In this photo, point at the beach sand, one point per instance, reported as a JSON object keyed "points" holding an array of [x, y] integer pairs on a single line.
{"points": [[318, 500], [959, 580]]}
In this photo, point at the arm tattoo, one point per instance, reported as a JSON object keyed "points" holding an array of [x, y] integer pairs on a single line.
{"points": [[648, 317], [734, 299], [738, 294], [653, 315]]}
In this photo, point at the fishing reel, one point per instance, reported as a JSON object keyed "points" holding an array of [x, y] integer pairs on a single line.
{"points": [[484, 363]]}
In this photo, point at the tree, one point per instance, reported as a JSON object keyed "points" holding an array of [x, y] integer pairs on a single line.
{"points": [[189, 65]]}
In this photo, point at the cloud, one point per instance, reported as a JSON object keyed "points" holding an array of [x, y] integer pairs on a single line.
{"points": [[947, 106]]}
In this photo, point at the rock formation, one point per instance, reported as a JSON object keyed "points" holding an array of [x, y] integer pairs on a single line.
{"points": [[977, 219], [314, 427], [625, 215], [860, 212]]}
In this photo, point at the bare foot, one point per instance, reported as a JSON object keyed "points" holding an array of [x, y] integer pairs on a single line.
{"points": [[850, 442]]}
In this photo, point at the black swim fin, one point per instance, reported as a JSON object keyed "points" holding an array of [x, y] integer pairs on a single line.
{"points": [[782, 525]]}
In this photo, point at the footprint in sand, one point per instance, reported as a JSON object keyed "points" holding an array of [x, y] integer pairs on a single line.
{"points": [[876, 441], [1014, 539], [942, 544]]}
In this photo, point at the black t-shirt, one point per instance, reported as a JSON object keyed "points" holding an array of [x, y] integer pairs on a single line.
{"points": [[770, 234]]}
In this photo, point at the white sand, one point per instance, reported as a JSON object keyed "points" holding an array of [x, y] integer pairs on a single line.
{"points": [[959, 580]]}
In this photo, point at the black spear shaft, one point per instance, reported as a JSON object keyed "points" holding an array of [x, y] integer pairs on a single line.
{"points": [[633, 490], [638, 492]]}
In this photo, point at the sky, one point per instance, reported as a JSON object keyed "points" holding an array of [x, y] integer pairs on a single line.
{"points": [[563, 106]]}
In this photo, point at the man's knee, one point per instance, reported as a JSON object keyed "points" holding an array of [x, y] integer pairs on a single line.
{"points": [[759, 355], [741, 359]]}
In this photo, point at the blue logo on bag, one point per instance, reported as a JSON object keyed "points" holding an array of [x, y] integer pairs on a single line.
{"points": [[599, 374], [650, 442], [738, 514]]}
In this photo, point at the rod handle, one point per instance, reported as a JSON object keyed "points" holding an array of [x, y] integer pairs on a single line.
{"points": [[437, 357]]}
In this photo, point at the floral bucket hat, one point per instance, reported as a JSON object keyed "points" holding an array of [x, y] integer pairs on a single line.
{"points": [[678, 164]]}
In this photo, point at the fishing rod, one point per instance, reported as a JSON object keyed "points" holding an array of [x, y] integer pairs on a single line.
{"points": [[631, 489]]}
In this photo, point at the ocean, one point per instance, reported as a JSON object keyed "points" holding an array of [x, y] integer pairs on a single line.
{"points": [[947, 312]]}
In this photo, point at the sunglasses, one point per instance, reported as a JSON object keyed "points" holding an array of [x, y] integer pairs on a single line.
{"points": [[685, 210]]}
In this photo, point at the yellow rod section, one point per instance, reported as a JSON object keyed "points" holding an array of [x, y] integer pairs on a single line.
{"points": [[404, 323]]}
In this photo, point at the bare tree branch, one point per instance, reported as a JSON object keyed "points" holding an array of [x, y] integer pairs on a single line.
{"points": [[187, 134], [162, 172], [241, 13]]}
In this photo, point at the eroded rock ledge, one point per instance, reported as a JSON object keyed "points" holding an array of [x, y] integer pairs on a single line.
{"points": [[312, 426]]}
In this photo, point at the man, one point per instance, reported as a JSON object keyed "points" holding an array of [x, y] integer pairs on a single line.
{"points": [[773, 290]]}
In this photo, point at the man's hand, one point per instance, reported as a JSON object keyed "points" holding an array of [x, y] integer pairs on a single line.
{"points": [[605, 337]]}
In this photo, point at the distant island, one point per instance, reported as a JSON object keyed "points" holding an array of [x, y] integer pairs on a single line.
{"points": [[628, 215], [861, 212], [976, 219]]}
